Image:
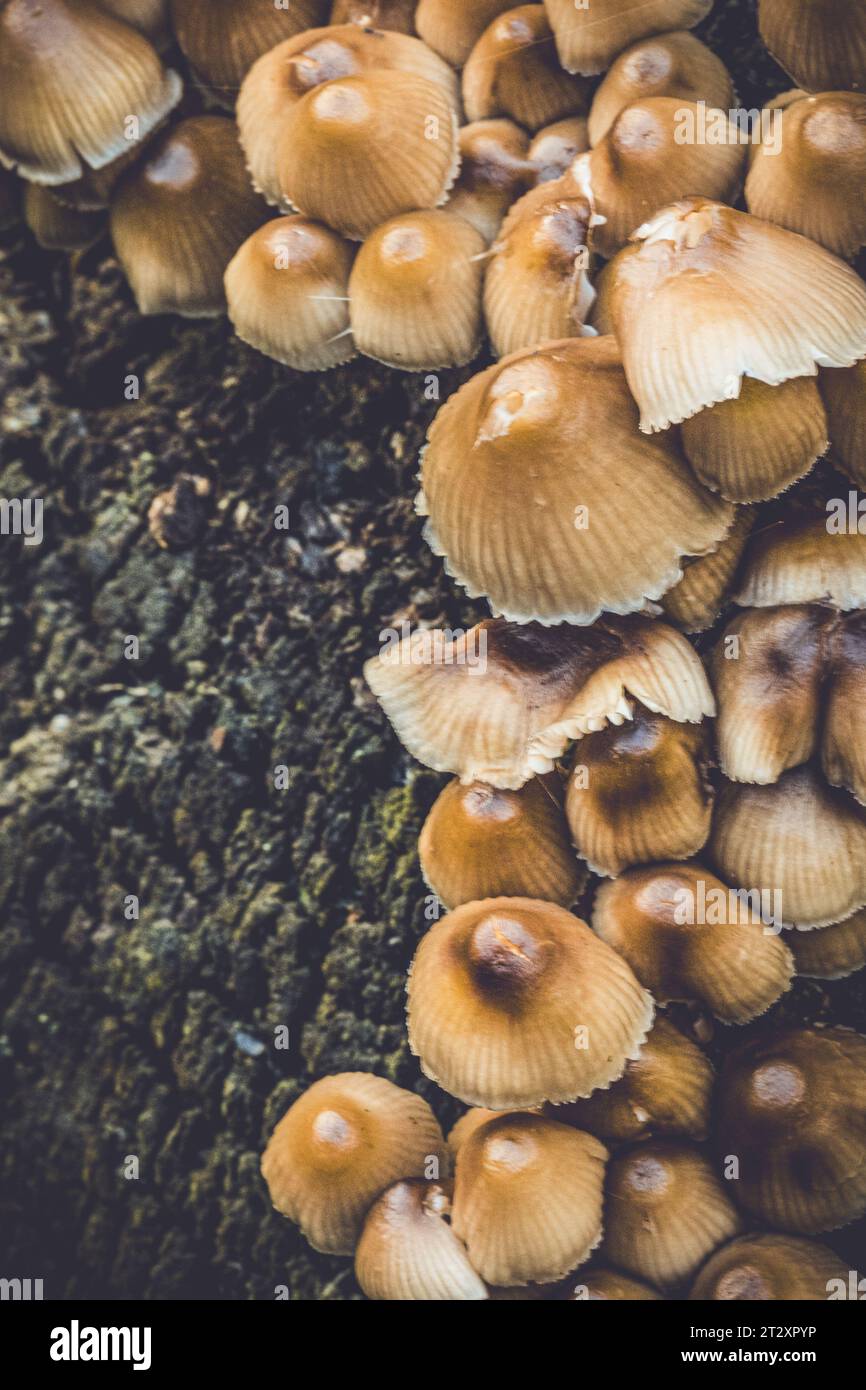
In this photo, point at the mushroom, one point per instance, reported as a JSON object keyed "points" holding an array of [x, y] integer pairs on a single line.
{"points": [[666, 65], [513, 1001], [804, 561], [589, 37], [287, 291], [555, 147], [356, 151], [341, 1144], [221, 39], [78, 88], [57, 227], [408, 1250], [513, 71], [832, 953], [844, 394], [665, 1090], [790, 1127], [502, 701], [480, 842], [150, 17], [393, 15], [771, 1268], [688, 937], [452, 28], [608, 1285], [179, 216], [696, 602], [467, 1124], [639, 792], [415, 292], [528, 1199], [665, 1212], [821, 43], [495, 170], [561, 425], [810, 178]]}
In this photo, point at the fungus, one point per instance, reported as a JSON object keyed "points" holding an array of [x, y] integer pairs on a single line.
{"points": [[394, 15], [513, 71], [702, 298], [804, 562], [179, 216], [466, 1125], [790, 1110], [287, 292], [57, 227], [588, 39], [408, 1250], [480, 842], [502, 701], [149, 17], [696, 602], [561, 425], [608, 1285], [415, 292], [844, 394], [76, 86], [528, 1199], [688, 937], [452, 28], [769, 1268], [832, 953], [667, 65], [339, 1146], [639, 793], [495, 170], [665, 1212], [820, 43], [359, 150], [555, 147], [665, 1090], [221, 39]]}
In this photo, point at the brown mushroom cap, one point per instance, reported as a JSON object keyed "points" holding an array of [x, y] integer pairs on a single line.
{"points": [[393, 15], [359, 150], [791, 1109], [179, 216], [466, 1125], [666, 65], [514, 1001], [843, 745], [415, 291], [608, 1285], [555, 147], [452, 28], [639, 793], [561, 425], [687, 937], [696, 602], [844, 394], [830, 954], [408, 1250], [589, 38], [702, 299], [57, 227], [799, 839], [495, 171], [821, 43], [502, 701], [287, 292], [804, 562], [770, 1268], [221, 39], [343, 1142], [150, 17], [665, 1212], [513, 71], [480, 842], [528, 1199], [77, 86], [665, 1090]]}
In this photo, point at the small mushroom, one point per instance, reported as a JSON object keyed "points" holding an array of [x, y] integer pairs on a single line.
{"points": [[221, 39], [393, 15], [588, 38], [608, 1285], [769, 1268], [495, 170], [149, 17], [555, 147], [57, 227], [796, 561], [832, 953], [844, 395], [408, 1250], [821, 43], [666, 65], [513, 71], [452, 28], [696, 602]]}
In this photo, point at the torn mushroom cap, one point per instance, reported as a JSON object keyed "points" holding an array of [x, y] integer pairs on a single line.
{"points": [[495, 170], [76, 86], [179, 216], [665, 1212], [702, 298], [608, 1285], [556, 147], [831, 954], [342, 1143], [665, 1090], [696, 602], [844, 393], [221, 39], [667, 65], [799, 840], [480, 842], [284, 76], [821, 43], [528, 1199], [687, 937], [501, 702], [590, 37], [513, 1002], [452, 28], [771, 1268], [513, 71], [537, 286], [790, 1110], [809, 176], [813, 561], [393, 15], [359, 150], [57, 227], [554, 545], [642, 163], [639, 793], [415, 292], [408, 1250], [287, 291]]}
